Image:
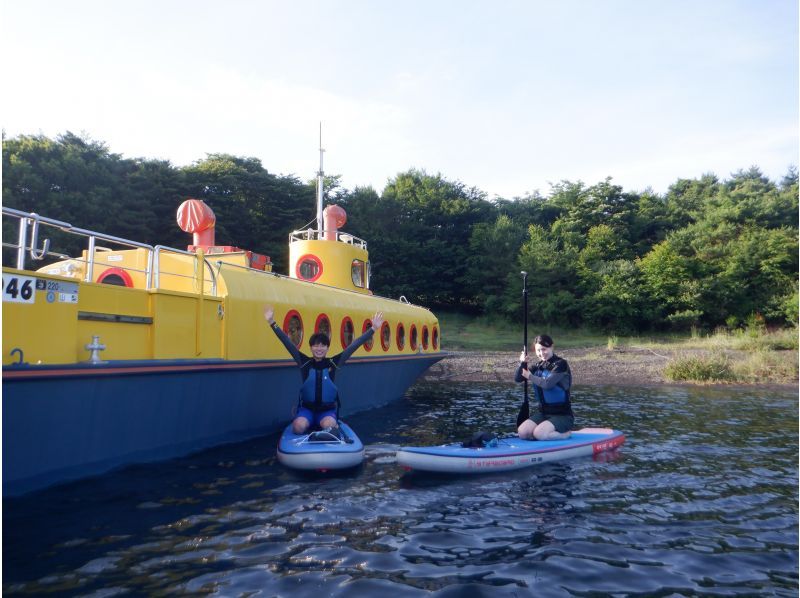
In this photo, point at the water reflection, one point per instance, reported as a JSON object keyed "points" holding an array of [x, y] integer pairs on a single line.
{"points": [[701, 499]]}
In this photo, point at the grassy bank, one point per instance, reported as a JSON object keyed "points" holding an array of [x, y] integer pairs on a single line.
{"points": [[743, 356], [482, 333], [748, 356]]}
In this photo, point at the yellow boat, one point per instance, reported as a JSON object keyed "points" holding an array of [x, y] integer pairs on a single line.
{"points": [[132, 352]]}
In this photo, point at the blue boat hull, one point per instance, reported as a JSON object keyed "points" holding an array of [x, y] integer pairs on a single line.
{"points": [[62, 423]]}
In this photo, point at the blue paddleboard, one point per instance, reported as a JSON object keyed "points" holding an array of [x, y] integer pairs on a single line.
{"points": [[506, 454], [320, 451]]}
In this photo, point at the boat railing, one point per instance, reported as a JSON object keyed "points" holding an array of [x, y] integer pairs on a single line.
{"points": [[156, 267], [312, 234], [28, 245]]}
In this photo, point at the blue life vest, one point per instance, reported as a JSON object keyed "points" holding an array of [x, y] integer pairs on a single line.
{"points": [[553, 395], [554, 401], [318, 392]]}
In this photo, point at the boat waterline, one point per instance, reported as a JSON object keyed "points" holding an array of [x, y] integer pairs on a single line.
{"points": [[62, 423]]}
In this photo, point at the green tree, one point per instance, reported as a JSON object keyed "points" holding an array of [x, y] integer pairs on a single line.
{"points": [[668, 280], [427, 251], [707, 252], [603, 203], [374, 219], [530, 209], [652, 223], [255, 210], [76, 180], [749, 198], [758, 272], [492, 261], [162, 188], [552, 276], [617, 303], [686, 199]]}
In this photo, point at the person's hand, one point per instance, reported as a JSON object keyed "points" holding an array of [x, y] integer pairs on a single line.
{"points": [[523, 357], [377, 320], [269, 314]]}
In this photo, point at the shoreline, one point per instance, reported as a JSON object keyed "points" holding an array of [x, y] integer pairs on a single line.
{"points": [[598, 366]]}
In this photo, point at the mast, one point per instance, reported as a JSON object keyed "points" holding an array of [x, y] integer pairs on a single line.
{"points": [[320, 176]]}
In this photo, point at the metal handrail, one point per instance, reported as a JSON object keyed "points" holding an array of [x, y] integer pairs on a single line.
{"points": [[33, 220], [312, 234], [155, 259]]}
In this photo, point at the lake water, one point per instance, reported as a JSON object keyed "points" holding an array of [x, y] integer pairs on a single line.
{"points": [[701, 500]]}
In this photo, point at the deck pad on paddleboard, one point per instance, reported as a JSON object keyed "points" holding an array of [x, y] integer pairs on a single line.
{"points": [[320, 451], [508, 453]]}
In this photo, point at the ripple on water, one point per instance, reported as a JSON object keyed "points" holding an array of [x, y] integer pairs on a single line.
{"points": [[680, 509]]}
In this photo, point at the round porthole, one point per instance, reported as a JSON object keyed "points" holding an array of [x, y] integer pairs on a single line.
{"points": [[346, 332], [386, 336], [412, 337], [309, 267], [293, 327], [436, 337], [425, 337], [323, 325], [117, 277], [370, 341], [401, 336]]}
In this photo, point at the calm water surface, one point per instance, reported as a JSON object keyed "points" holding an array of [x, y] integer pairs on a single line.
{"points": [[701, 500]]}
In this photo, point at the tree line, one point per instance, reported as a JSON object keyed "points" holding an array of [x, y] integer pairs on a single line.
{"points": [[707, 253]]}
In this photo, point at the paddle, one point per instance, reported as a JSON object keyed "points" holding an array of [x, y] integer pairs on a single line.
{"points": [[524, 410]]}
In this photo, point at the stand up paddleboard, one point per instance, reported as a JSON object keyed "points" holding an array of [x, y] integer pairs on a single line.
{"points": [[320, 451], [506, 454]]}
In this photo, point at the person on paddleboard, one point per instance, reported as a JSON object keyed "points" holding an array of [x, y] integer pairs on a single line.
{"points": [[319, 398], [551, 379]]}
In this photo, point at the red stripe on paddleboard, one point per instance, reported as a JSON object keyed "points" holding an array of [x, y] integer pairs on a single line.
{"points": [[607, 445]]}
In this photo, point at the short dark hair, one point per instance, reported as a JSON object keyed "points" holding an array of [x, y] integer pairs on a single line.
{"points": [[543, 340], [319, 338]]}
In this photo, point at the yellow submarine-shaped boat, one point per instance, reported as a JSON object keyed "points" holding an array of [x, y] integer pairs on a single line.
{"points": [[133, 352]]}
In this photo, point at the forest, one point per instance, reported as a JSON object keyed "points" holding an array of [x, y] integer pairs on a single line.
{"points": [[708, 253]]}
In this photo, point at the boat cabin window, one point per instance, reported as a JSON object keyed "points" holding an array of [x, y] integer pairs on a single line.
{"points": [[293, 327], [413, 341], [323, 325], [309, 267], [435, 337], [367, 325], [425, 337], [347, 332], [114, 279], [401, 336], [357, 271], [117, 277], [386, 336]]}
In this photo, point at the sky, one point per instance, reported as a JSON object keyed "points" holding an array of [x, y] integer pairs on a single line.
{"points": [[508, 96]]}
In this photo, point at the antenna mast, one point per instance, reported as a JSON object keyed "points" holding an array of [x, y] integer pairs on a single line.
{"points": [[320, 176]]}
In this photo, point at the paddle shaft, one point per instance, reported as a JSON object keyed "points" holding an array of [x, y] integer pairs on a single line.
{"points": [[524, 410]]}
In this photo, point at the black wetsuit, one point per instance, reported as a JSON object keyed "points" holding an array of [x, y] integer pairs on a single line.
{"points": [[551, 381], [319, 392]]}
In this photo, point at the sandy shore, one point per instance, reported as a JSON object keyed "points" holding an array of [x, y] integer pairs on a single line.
{"points": [[597, 366]]}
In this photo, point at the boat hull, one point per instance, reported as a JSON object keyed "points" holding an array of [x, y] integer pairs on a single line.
{"points": [[299, 452], [509, 453], [62, 423]]}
